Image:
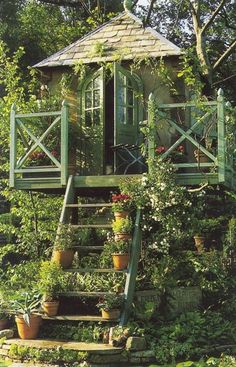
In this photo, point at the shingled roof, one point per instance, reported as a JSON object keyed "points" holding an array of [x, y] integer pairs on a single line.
{"points": [[122, 36]]}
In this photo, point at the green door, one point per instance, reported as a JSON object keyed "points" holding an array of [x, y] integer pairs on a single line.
{"points": [[126, 115], [91, 145]]}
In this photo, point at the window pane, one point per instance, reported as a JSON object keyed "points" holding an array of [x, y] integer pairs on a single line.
{"points": [[88, 118], [121, 97], [96, 98], [89, 86], [121, 79], [130, 115], [130, 97], [121, 115], [96, 116], [96, 83], [88, 99]]}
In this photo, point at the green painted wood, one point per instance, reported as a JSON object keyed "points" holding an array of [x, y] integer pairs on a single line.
{"points": [[92, 225], [151, 124], [88, 294], [184, 105], [68, 199], [88, 248], [89, 270], [78, 318], [100, 181], [38, 142], [98, 205], [37, 170], [38, 114], [221, 135], [64, 143], [132, 270], [13, 145]]}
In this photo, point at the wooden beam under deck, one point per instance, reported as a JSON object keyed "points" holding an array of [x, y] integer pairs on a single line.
{"points": [[83, 183]]}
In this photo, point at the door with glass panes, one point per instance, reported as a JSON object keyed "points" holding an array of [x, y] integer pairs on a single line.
{"points": [[110, 115]]}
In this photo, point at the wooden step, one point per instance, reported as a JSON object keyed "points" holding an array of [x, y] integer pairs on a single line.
{"points": [[105, 225], [88, 248], [89, 270], [88, 294], [98, 205], [77, 318]]}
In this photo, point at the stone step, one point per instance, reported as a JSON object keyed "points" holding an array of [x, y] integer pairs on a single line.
{"points": [[77, 318], [51, 344]]}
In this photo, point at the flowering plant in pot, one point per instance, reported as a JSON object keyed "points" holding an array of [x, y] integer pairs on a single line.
{"points": [[122, 228], [176, 156], [121, 205], [110, 306], [26, 307], [63, 253], [120, 253], [51, 283]]}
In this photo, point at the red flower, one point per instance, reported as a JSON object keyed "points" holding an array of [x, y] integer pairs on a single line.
{"points": [[161, 149], [119, 197], [180, 149]]}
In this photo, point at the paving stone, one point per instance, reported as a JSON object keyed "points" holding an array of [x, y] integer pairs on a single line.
{"points": [[136, 343], [6, 333]]}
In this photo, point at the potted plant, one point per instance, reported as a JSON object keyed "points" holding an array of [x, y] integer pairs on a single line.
{"points": [[121, 204], [26, 307], [120, 253], [63, 253], [51, 283], [110, 306], [202, 228], [122, 228]]}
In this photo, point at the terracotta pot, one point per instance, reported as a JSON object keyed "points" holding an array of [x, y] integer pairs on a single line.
{"points": [[63, 258], [28, 332], [199, 243], [110, 314], [122, 214], [123, 236], [120, 261], [3, 324], [50, 308]]}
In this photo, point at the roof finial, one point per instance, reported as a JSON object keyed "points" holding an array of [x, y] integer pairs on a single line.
{"points": [[127, 5]]}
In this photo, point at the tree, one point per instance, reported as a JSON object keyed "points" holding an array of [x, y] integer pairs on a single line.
{"points": [[209, 25]]}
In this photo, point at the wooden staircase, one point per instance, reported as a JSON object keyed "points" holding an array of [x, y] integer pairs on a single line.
{"points": [[69, 215]]}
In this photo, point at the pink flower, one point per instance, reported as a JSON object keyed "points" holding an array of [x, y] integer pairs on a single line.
{"points": [[161, 149]]}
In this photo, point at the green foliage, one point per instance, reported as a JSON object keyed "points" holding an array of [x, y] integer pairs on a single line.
{"points": [[25, 304], [116, 247], [46, 355], [52, 280], [122, 225], [110, 302], [65, 238]]}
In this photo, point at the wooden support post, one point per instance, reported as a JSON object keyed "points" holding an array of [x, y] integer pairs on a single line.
{"points": [[132, 271], [151, 136], [13, 145], [64, 142], [221, 135], [68, 199]]}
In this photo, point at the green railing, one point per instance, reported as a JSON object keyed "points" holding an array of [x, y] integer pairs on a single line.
{"points": [[31, 135], [200, 127]]}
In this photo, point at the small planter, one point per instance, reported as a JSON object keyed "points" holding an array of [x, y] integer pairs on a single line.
{"points": [[28, 332], [199, 243], [201, 157], [120, 261], [121, 214], [63, 257], [123, 236], [3, 324], [51, 308], [110, 314]]}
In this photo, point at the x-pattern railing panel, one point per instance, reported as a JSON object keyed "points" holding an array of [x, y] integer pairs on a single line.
{"points": [[21, 126]]}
